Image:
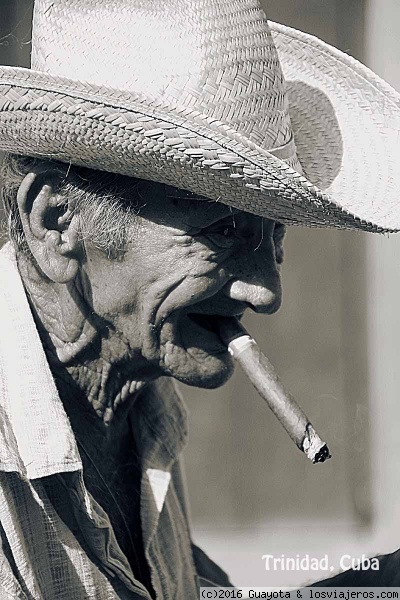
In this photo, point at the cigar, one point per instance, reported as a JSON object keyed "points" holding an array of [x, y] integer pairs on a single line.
{"points": [[264, 378]]}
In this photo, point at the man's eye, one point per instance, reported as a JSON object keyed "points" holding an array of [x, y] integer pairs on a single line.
{"points": [[225, 231], [222, 235]]}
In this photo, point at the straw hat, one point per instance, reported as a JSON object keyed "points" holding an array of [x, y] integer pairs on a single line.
{"points": [[204, 95]]}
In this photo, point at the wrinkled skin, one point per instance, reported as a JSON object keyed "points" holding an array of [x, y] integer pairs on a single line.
{"points": [[115, 324], [188, 256], [111, 325]]}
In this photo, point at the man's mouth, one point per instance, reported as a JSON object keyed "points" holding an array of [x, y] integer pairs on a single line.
{"points": [[197, 333], [201, 331], [211, 323]]}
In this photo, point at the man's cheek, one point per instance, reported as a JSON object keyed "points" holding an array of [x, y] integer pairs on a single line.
{"points": [[197, 258], [193, 288]]}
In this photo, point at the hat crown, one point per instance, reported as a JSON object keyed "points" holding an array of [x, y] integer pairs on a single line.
{"points": [[216, 57]]}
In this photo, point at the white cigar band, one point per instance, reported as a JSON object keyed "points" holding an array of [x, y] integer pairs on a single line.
{"points": [[238, 345]]}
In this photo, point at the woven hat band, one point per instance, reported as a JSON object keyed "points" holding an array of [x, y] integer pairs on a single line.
{"points": [[216, 57], [288, 153]]}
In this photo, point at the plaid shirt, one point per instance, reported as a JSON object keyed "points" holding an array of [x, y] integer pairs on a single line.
{"points": [[56, 540]]}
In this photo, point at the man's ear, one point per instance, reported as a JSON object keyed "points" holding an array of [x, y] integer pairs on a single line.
{"points": [[49, 226]]}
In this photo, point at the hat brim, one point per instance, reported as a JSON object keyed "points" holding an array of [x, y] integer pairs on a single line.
{"points": [[345, 124]]}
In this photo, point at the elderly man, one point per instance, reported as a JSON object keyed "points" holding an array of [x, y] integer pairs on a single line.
{"points": [[154, 153], [121, 280]]}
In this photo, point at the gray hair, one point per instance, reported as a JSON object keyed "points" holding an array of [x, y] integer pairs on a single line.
{"points": [[106, 204]]}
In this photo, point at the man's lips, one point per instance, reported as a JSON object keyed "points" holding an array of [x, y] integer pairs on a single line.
{"points": [[198, 326], [204, 332]]}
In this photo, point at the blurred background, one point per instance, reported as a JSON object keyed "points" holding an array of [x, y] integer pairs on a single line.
{"points": [[335, 343]]}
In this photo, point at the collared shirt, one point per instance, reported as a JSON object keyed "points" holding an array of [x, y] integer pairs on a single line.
{"points": [[55, 540]]}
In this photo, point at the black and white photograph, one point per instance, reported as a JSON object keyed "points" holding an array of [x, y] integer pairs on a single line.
{"points": [[199, 299]]}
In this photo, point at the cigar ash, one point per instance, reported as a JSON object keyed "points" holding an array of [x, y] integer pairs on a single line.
{"points": [[313, 447]]}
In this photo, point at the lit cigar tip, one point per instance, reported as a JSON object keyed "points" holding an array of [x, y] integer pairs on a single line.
{"points": [[264, 378], [313, 447], [322, 455]]}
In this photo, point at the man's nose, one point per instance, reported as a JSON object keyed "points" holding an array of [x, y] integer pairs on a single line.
{"points": [[256, 283]]}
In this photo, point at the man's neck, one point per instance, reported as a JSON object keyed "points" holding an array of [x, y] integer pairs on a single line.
{"points": [[96, 395], [98, 376]]}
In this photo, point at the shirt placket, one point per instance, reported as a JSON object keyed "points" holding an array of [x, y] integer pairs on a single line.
{"points": [[161, 433], [99, 535]]}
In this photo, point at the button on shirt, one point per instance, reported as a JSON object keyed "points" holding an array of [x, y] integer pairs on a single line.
{"points": [[55, 540]]}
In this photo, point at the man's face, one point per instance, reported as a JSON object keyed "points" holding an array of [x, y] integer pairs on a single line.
{"points": [[188, 262]]}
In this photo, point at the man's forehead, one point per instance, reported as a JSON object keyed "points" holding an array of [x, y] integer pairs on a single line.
{"points": [[157, 201], [163, 203]]}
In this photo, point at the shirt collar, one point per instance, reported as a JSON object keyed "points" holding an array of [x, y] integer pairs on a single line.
{"points": [[36, 438], [42, 443]]}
